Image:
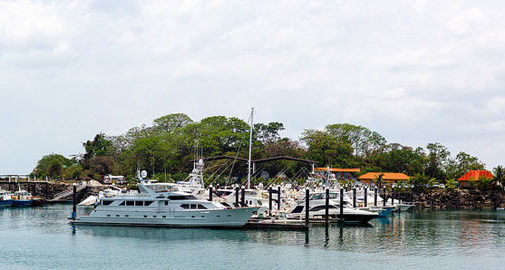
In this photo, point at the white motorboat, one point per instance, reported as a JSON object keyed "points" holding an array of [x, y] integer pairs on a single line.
{"points": [[317, 209], [161, 204]]}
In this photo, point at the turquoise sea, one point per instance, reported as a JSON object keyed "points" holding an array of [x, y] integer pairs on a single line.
{"points": [[41, 238]]}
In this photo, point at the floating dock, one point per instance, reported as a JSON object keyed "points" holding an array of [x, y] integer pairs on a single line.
{"points": [[286, 224]]}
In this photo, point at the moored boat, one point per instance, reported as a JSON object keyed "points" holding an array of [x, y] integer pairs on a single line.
{"points": [[22, 198], [5, 198], [158, 204], [317, 209]]}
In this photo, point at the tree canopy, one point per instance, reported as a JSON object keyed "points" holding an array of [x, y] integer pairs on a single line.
{"points": [[172, 141]]}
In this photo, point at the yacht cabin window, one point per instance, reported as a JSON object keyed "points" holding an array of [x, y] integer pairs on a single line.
{"points": [[107, 202], [147, 203]]}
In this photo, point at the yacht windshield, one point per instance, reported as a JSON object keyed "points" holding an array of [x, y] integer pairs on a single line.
{"points": [[181, 197]]}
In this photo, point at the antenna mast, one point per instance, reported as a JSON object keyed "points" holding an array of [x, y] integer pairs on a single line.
{"points": [[250, 149]]}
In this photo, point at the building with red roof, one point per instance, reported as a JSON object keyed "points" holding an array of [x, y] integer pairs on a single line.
{"points": [[388, 178], [474, 175]]}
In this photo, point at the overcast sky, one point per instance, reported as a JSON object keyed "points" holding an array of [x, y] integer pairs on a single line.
{"points": [[415, 71]]}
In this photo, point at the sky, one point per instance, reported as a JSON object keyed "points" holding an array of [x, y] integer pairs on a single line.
{"points": [[414, 71]]}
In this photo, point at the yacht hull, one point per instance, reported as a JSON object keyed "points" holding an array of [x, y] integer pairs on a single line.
{"points": [[21, 203], [192, 218], [5, 203]]}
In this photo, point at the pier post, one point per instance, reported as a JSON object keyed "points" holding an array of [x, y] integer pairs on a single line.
{"points": [[210, 193], [366, 197], [307, 205], [354, 198], [384, 197], [279, 199], [342, 203], [243, 196], [375, 197], [327, 206], [236, 196], [392, 197], [74, 202], [270, 201]]}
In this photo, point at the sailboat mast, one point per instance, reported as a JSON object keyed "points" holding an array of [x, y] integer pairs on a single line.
{"points": [[250, 149]]}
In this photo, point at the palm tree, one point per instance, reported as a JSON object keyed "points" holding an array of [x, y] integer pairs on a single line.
{"points": [[499, 175]]}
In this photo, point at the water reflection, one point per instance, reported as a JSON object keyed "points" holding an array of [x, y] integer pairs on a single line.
{"points": [[164, 234], [424, 233]]}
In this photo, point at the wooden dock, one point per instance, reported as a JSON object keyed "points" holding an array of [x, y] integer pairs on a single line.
{"points": [[286, 224]]}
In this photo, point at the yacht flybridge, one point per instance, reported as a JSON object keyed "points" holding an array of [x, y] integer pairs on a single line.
{"points": [[163, 204]]}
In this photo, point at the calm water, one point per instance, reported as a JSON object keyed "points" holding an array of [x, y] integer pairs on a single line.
{"points": [[41, 238]]}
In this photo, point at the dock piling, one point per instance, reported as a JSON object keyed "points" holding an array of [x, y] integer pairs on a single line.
{"points": [[366, 196], [270, 201], [74, 202], [342, 203], [243, 196], [236, 196], [354, 198], [307, 205], [210, 193], [327, 206]]}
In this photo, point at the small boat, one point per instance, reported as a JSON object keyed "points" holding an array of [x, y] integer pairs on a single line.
{"points": [[22, 198], [5, 198], [37, 201]]}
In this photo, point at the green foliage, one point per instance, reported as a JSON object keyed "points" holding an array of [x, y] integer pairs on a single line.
{"points": [[99, 146], [463, 162], [172, 122], [484, 183], [451, 183], [432, 182], [327, 149], [174, 140], [436, 160], [52, 166], [499, 175]]}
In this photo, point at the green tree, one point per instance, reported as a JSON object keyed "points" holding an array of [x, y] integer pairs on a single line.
{"points": [[463, 162], [99, 146], [171, 122], [327, 149], [362, 140], [436, 160], [267, 133], [51, 165], [499, 175]]}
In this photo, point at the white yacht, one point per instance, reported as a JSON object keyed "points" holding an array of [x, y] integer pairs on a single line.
{"points": [[162, 204], [317, 209]]}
